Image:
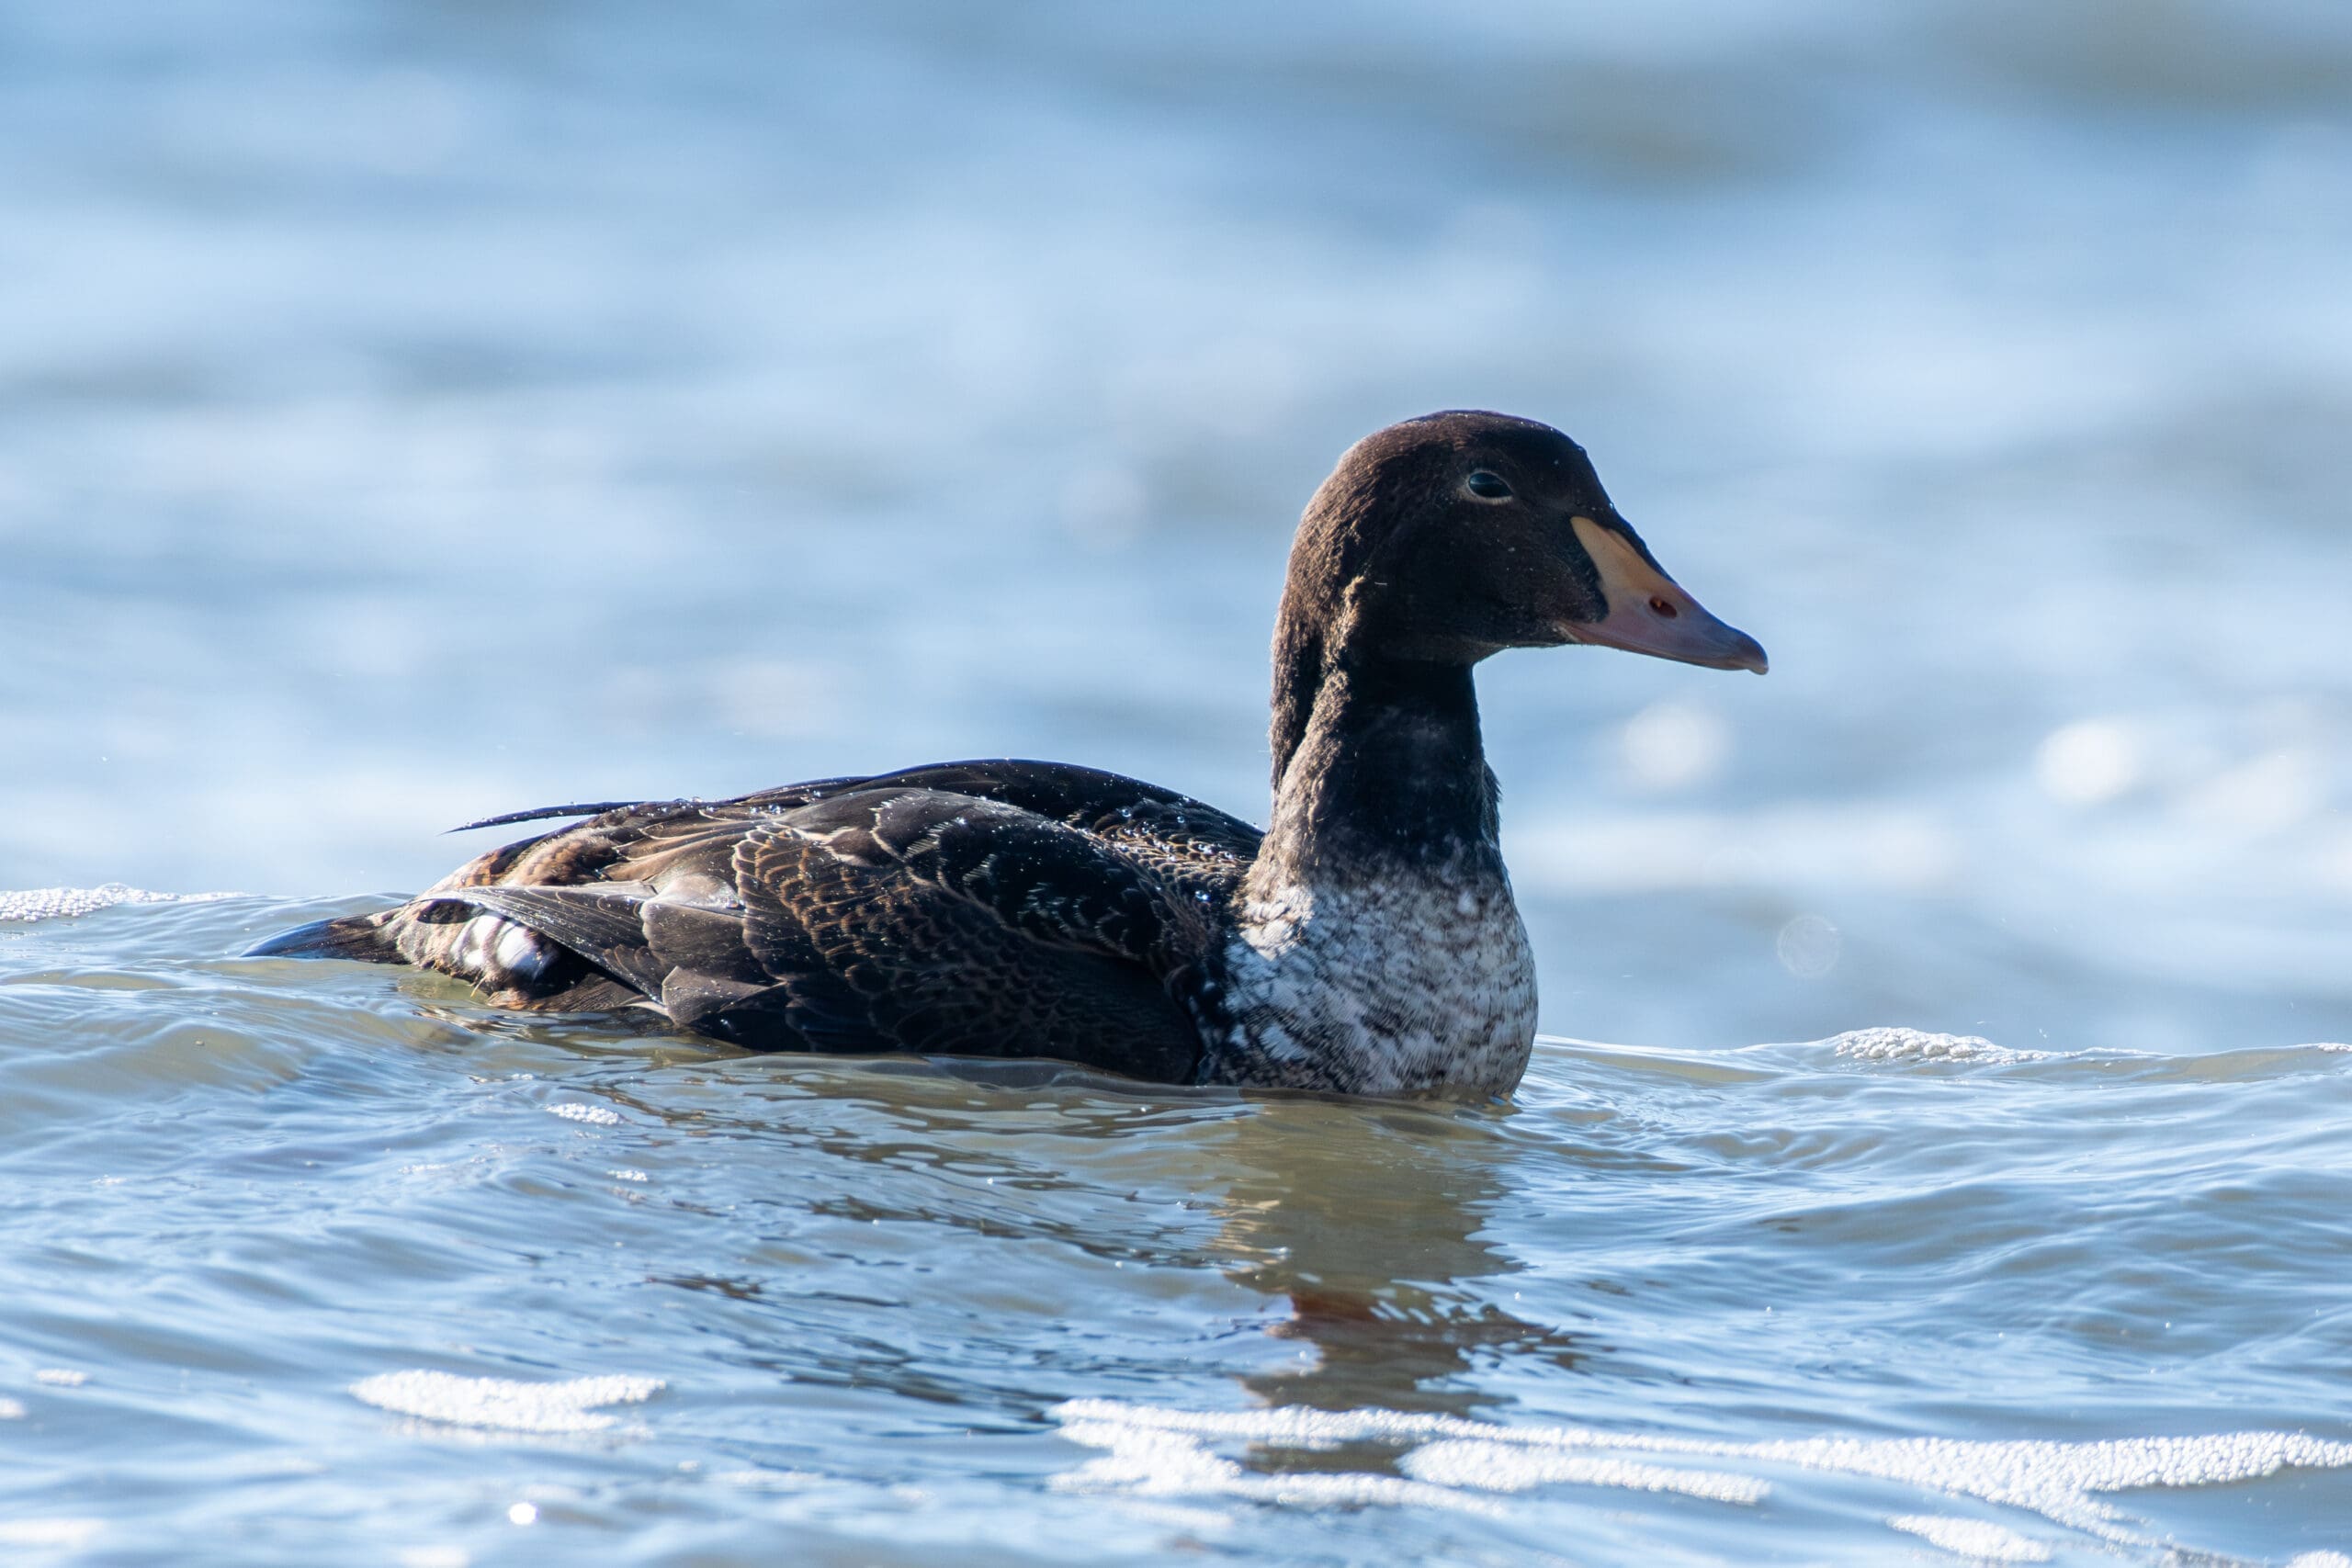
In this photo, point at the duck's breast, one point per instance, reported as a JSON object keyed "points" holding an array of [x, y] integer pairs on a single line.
{"points": [[1398, 980]]}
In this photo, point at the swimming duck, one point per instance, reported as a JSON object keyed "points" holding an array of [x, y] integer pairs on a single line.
{"points": [[1365, 942]]}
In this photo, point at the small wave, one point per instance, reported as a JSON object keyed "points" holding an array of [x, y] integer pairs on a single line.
{"points": [[501, 1404], [1893, 1044], [1453, 1460], [59, 903]]}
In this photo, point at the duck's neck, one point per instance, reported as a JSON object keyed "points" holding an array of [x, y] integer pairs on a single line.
{"points": [[1387, 769], [1376, 949]]}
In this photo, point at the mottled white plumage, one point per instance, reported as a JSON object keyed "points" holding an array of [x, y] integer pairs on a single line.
{"points": [[1405, 979]]}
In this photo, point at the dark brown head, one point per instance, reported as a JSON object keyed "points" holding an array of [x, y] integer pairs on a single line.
{"points": [[1456, 535]]}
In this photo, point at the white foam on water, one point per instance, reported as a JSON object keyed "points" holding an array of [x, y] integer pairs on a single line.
{"points": [[1151, 1462], [61, 1376], [1500, 1467], [1977, 1538], [2319, 1559], [502, 1405], [1893, 1043], [11, 1409], [1162, 1451], [593, 1115], [59, 903]]}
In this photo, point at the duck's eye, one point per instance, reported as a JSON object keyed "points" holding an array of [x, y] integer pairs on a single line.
{"points": [[1488, 486]]}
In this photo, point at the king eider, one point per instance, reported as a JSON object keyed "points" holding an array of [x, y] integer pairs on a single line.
{"points": [[1365, 942]]}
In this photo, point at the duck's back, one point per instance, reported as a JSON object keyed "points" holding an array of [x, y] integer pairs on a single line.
{"points": [[1006, 909]]}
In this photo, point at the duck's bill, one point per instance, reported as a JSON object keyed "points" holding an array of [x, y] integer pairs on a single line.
{"points": [[1649, 613]]}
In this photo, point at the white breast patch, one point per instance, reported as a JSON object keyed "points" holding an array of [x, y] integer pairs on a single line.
{"points": [[1407, 981]]}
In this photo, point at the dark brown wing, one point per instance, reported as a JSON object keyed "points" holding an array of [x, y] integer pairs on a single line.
{"points": [[996, 909], [887, 919], [960, 926], [1194, 845]]}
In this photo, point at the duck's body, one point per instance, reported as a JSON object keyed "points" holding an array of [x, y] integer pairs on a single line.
{"points": [[1366, 942]]}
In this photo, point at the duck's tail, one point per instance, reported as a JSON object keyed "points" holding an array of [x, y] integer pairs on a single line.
{"points": [[363, 937]]}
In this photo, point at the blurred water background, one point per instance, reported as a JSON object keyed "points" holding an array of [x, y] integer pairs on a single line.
{"points": [[416, 412]]}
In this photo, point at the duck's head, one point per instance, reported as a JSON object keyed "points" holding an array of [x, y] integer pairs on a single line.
{"points": [[1457, 535]]}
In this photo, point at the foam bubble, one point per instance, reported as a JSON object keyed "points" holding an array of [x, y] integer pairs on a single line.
{"points": [[1163, 1452], [1503, 1467], [59, 903], [504, 1405], [593, 1115], [1155, 1461], [1889, 1044], [1978, 1539]]}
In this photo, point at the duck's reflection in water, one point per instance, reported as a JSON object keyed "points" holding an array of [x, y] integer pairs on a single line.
{"points": [[1366, 1222], [1360, 1224]]}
